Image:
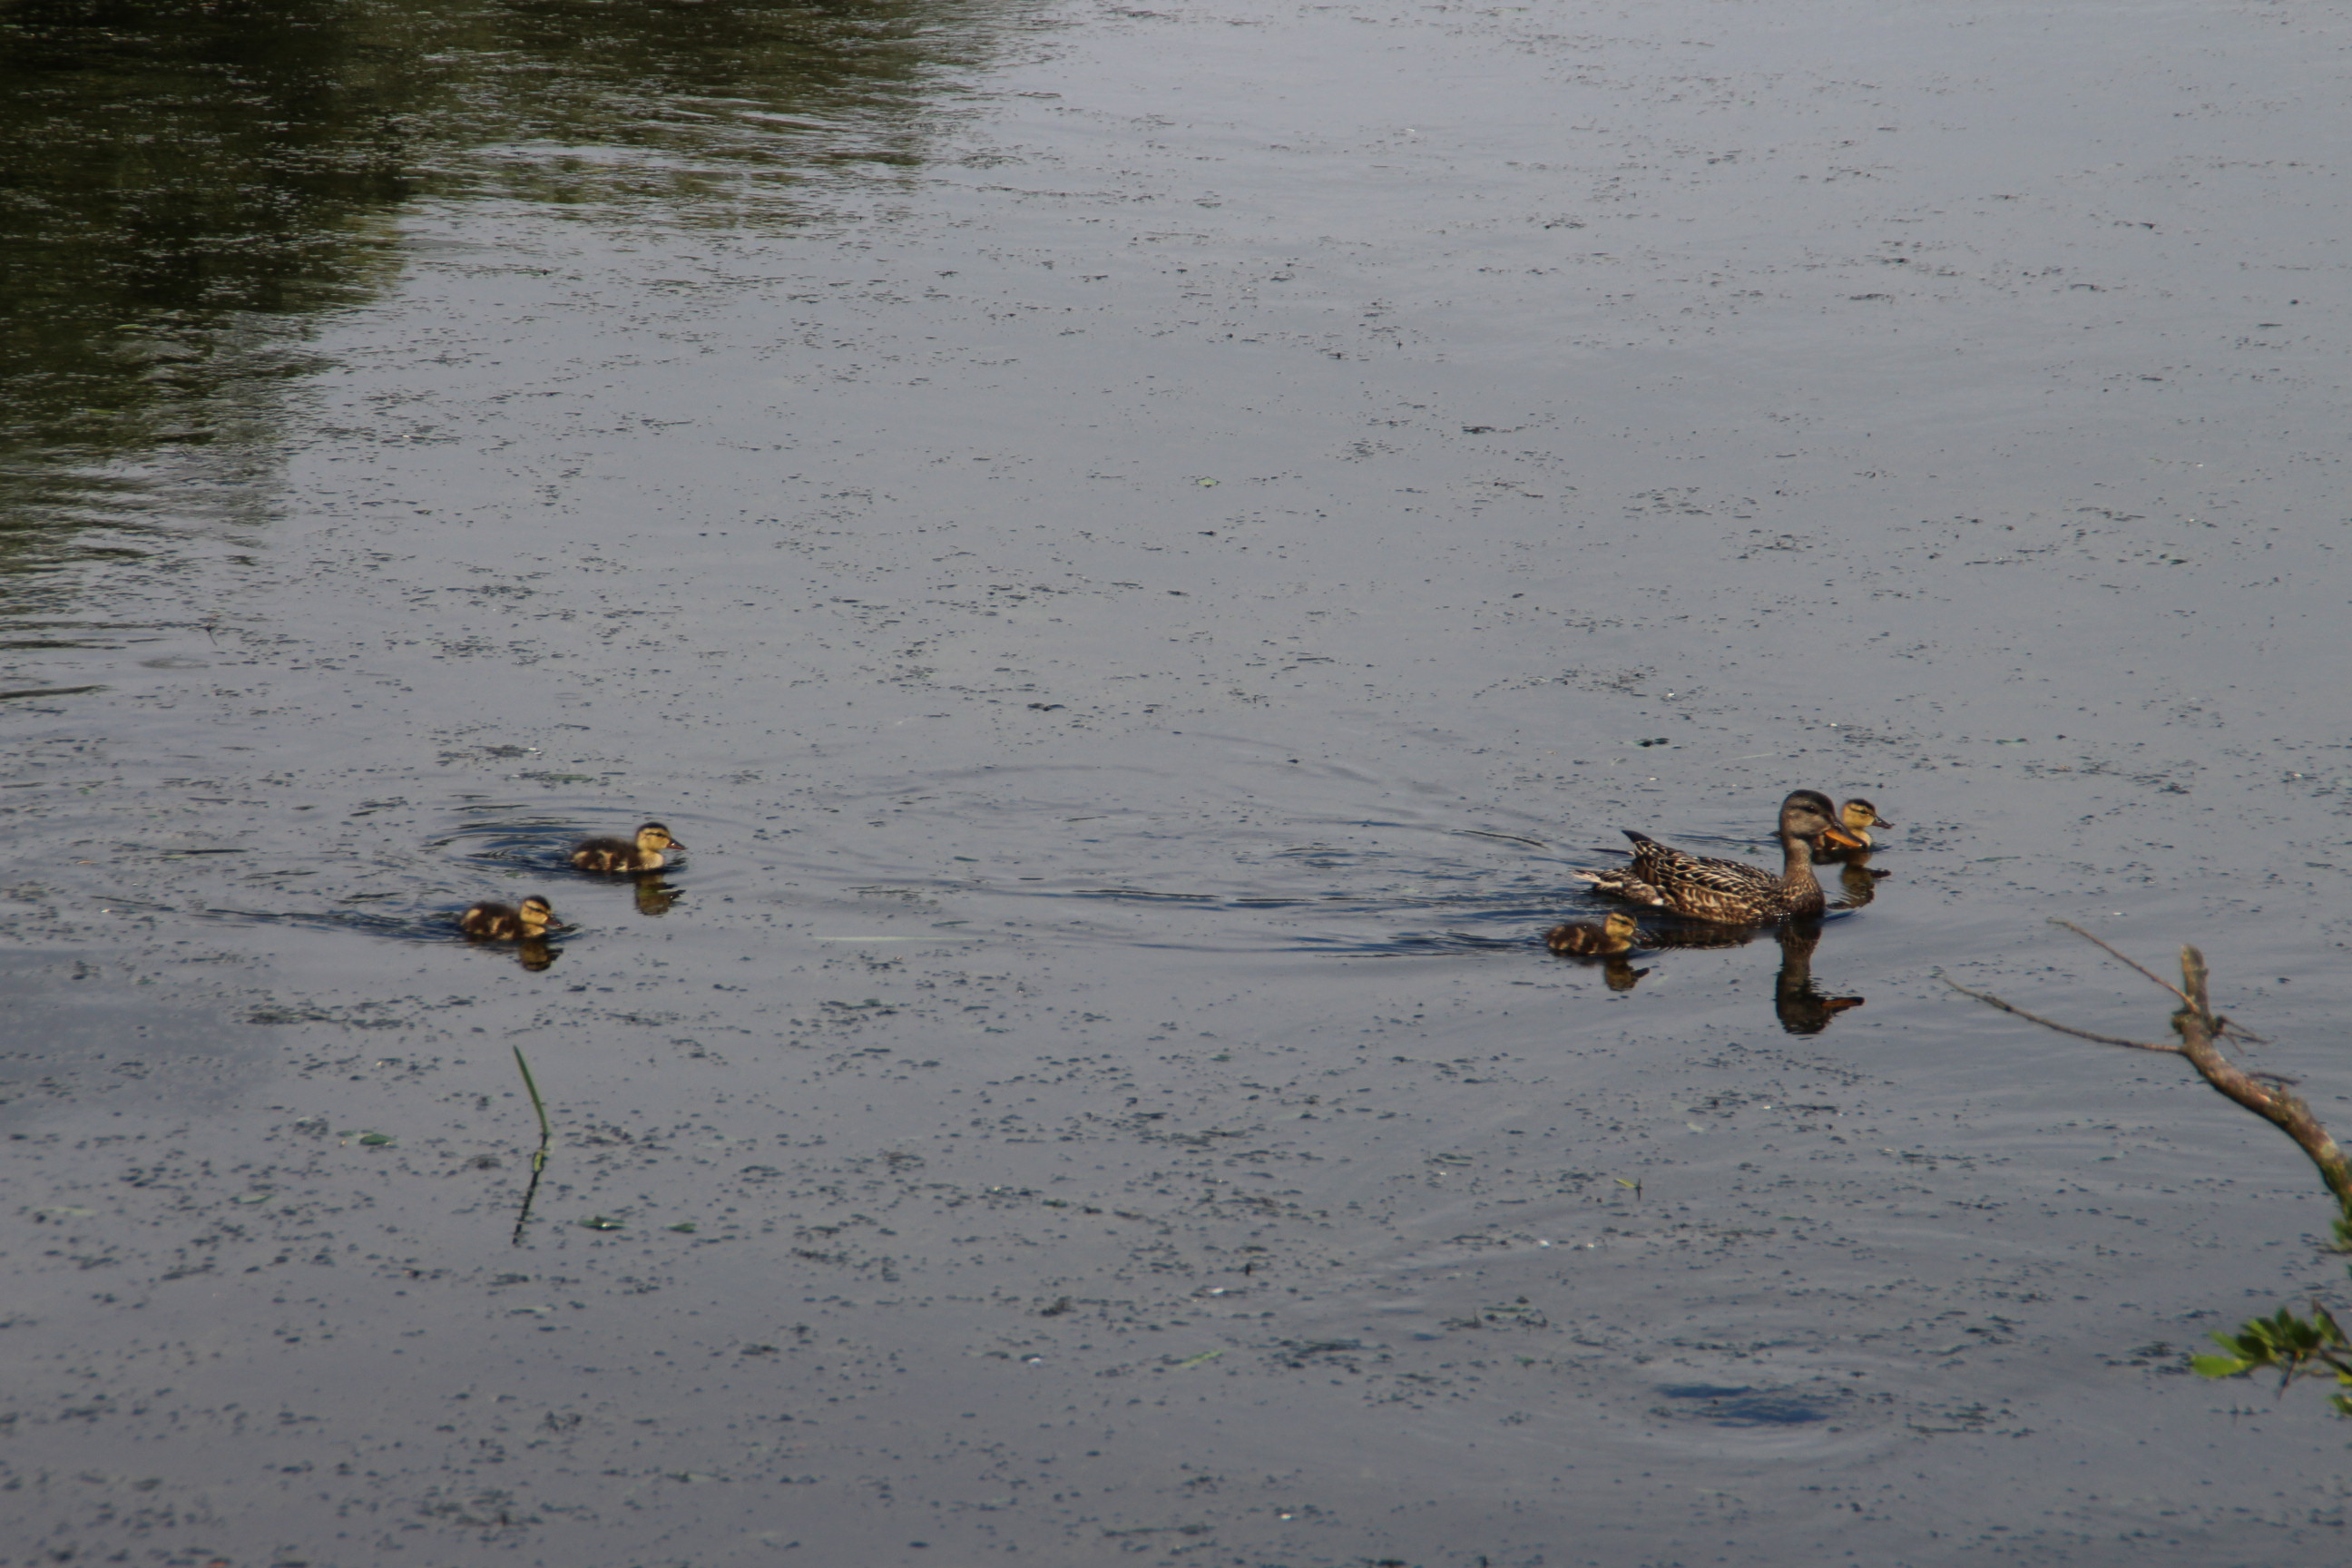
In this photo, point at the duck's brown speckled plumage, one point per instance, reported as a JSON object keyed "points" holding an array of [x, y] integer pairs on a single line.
{"points": [[1613, 935], [504, 922], [621, 855], [1730, 892]]}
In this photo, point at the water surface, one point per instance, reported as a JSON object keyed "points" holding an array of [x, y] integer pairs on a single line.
{"points": [[1141, 550]]}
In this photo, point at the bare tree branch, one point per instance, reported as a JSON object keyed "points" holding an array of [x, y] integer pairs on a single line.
{"points": [[2119, 958], [1990, 1000], [2201, 1030]]}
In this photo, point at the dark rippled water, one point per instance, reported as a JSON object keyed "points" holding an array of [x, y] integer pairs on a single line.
{"points": [[1142, 551]]}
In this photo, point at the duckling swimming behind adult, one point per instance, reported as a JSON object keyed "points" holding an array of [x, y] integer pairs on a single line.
{"points": [[1857, 818], [1613, 935], [620, 855], [504, 922]]}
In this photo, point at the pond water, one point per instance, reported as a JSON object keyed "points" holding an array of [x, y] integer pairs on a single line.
{"points": [[1141, 551]]}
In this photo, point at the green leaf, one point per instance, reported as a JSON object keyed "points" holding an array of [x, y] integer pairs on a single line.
{"points": [[375, 1140], [2220, 1365], [599, 1222], [2329, 1327]]}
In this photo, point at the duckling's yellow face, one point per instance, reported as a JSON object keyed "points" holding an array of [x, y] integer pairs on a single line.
{"points": [[1858, 813], [1620, 926], [654, 835], [537, 914]]}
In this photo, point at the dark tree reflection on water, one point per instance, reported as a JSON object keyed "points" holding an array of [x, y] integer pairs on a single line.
{"points": [[186, 188]]}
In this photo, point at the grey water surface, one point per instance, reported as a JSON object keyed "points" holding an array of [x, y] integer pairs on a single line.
{"points": [[1140, 549]]}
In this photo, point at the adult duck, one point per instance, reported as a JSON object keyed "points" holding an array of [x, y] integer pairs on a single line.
{"points": [[1730, 892]]}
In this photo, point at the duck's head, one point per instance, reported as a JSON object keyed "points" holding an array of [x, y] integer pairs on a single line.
{"points": [[1808, 813], [537, 915], [1619, 926], [654, 835], [1858, 813]]}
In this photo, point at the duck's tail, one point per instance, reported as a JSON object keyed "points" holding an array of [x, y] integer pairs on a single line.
{"points": [[1624, 884]]}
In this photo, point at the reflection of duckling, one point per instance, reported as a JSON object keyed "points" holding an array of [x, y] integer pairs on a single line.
{"points": [[1859, 882], [1613, 935], [1621, 976], [534, 954], [1857, 818], [1730, 891], [503, 923], [620, 855], [653, 895]]}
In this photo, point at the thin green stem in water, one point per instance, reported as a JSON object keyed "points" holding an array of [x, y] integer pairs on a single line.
{"points": [[539, 1157]]}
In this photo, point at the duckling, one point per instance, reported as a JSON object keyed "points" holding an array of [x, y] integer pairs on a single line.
{"points": [[1728, 891], [1611, 936], [1857, 816], [504, 922], [620, 855]]}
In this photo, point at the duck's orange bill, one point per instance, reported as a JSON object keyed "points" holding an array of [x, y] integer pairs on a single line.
{"points": [[1844, 840]]}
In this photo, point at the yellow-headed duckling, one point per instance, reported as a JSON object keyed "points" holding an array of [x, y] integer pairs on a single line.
{"points": [[1856, 817], [504, 922], [620, 855], [1613, 935]]}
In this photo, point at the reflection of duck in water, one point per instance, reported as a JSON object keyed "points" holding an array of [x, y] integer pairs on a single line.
{"points": [[1731, 892], [653, 895], [1801, 1007], [1858, 881], [504, 922], [1612, 940], [1796, 1000], [621, 855]]}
